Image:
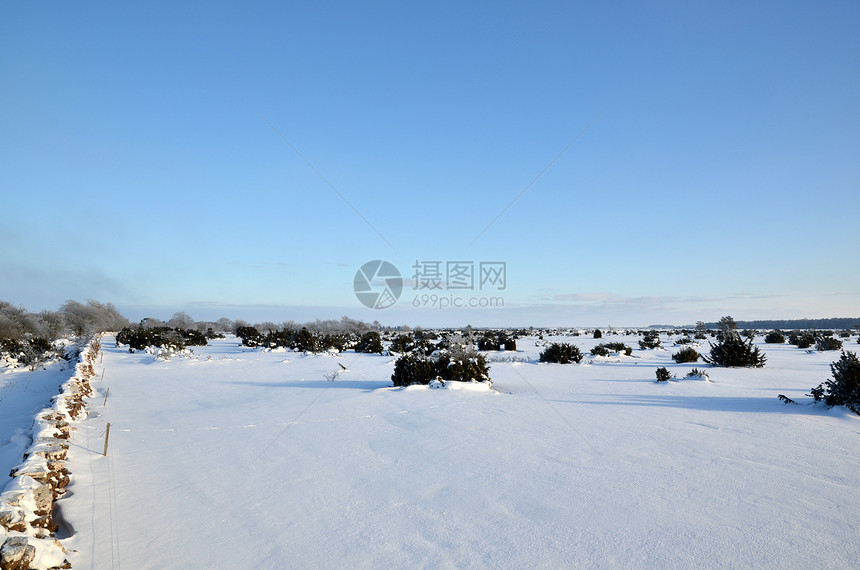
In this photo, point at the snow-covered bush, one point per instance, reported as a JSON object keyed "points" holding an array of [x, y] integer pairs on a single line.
{"points": [[369, 342], [696, 373], [663, 374], [336, 342], [413, 369], [250, 335], [650, 340], [828, 343], [458, 365], [734, 351], [609, 347], [192, 337], [401, 343], [29, 352], [801, 339], [774, 337], [462, 366], [490, 341], [561, 353], [496, 341], [844, 389], [139, 338], [686, 354], [305, 341]]}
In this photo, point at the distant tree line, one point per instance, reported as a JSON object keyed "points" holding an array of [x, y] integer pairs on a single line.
{"points": [[785, 324]]}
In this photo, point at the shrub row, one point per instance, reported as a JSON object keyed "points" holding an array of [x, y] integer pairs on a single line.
{"points": [[139, 338], [303, 340]]}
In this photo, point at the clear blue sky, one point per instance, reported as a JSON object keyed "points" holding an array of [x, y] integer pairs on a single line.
{"points": [[720, 173]]}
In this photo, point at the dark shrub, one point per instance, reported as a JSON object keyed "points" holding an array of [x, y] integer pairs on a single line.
{"points": [[11, 346], [597, 333], [250, 336], [734, 351], [600, 350], [305, 341], [663, 374], [510, 344], [457, 365], [369, 342], [192, 337], [489, 342], [423, 346], [401, 343], [28, 352], [336, 341], [650, 340], [844, 389], [274, 339], [801, 339], [413, 369], [686, 354], [696, 373], [828, 343], [561, 353], [774, 337], [40, 345], [138, 338], [462, 366], [609, 347]]}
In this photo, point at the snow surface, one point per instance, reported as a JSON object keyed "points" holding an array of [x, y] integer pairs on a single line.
{"points": [[240, 458], [23, 394]]}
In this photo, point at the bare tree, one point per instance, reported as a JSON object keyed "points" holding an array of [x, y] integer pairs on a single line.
{"points": [[94, 316], [53, 324], [151, 323], [181, 320], [14, 322]]}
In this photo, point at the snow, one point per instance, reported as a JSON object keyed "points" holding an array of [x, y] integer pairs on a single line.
{"points": [[23, 393], [239, 458]]}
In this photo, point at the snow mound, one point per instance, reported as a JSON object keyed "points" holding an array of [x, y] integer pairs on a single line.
{"points": [[451, 385]]}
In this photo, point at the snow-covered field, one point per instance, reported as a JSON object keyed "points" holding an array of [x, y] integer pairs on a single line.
{"points": [[239, 458], [23, 393]]}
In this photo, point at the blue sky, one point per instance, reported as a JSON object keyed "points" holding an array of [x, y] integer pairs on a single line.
{"points": [[147, 157]]}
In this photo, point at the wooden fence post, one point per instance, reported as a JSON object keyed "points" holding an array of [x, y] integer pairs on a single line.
{"points": [[107, 435]]}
